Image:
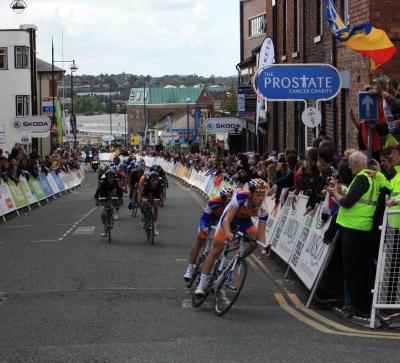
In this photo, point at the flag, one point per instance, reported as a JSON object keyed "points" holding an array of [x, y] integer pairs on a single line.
{"points": [[59, 120], [169, 123], [266, 58], [364, 39]]}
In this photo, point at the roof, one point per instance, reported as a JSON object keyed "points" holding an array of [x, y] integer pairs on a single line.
{"points": [[44, 67], [216, 89], [164, 96]]}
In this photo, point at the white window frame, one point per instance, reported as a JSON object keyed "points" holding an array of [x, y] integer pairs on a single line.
{"points": [[21, 54], [318, 38], [5, 54], [24, 101], [346, 12], [252, 35]]}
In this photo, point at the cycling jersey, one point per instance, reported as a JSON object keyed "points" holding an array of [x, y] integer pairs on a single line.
{"points": [[104, 189], [212, 213], [148, 189], [243, 216]]}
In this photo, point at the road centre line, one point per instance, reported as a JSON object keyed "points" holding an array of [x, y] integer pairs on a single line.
{"points": [[22, 226], [299, 310]]}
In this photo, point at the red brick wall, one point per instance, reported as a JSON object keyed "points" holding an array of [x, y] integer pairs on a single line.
{"points": [[382, 14]]}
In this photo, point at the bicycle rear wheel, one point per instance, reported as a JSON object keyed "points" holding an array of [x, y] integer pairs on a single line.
{"points": [[230, 286], [150, 227]]}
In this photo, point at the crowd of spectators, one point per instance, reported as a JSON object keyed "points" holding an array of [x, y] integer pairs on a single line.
{"points": [[19, 163], [313, 173]]}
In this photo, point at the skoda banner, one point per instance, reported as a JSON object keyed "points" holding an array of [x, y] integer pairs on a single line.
{"points": [[31, 124], [223, 125]]}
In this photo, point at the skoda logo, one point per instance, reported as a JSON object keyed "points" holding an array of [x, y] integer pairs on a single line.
{"points": [[209, 126], [17, 124]]}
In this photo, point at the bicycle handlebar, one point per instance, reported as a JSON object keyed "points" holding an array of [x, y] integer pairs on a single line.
{"points": [[112, 198]]}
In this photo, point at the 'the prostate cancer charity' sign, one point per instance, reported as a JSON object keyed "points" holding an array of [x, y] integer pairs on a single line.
{"points": [[297, 82]]}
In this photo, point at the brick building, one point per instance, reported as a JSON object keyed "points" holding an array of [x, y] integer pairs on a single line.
{"points": [[301, 34]]}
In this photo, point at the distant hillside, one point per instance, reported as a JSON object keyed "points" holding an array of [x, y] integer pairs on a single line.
{"points": [[124, 82]]}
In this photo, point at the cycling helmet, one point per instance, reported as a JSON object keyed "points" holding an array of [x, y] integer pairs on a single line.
{"points": [[154, 175], [153, 168], [117, 160], [226, 193], [258, 185], [110, 173], [146, 174]]}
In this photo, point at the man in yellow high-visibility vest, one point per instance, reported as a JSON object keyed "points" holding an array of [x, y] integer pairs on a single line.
{"points": [[355, 219]]}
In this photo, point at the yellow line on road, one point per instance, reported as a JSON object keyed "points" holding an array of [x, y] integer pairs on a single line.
{"points": [[299, 305]]}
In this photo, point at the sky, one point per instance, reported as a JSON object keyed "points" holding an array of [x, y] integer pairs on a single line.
{"points": [[155, 37]]}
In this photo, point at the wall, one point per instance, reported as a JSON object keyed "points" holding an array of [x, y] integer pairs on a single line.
{"points": [[17, 81]]}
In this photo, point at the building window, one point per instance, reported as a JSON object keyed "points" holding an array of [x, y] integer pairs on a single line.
{"points": [[21, 57], [284, 26], [3, 58], [257, 26], [296, 26], [22, 105]]}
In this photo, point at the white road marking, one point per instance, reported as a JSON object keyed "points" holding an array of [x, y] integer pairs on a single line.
{"points": [[45, 241], [180, 260], [84, 230], [24, 226]]}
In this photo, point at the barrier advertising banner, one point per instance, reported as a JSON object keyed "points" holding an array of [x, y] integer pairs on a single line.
{"points": [[52, 183], [23, 184], [6, 201], [60, 184], [310, 250], [290, 226], [273, 216], [45, 185], [36, 189], [17, 194], [284, 212]]}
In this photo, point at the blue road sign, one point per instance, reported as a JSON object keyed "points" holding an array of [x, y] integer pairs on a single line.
{"points": [[368, 106], [296, 82]]}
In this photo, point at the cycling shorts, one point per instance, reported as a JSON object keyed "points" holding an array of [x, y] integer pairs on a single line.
{"points": [[246, 225], [154, 192]]}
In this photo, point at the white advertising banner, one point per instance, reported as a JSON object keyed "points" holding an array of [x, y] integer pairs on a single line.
{"points": [[293, 221], [6, 201], [310, 251], [52, 183], [223, 125], [273, 216]]}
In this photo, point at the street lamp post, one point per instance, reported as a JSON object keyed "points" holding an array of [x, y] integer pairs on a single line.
{"points": [[73, 69], [187, 118]]}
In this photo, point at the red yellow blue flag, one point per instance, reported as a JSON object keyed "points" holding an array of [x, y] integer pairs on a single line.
{"points": [[364, 38]]}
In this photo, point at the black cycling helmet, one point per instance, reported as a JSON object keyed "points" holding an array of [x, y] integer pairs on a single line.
{"points": [[110, 173], [153, 168], [154, 175]]}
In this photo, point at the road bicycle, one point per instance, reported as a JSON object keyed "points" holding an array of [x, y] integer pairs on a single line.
{"points": [[202, 256], [134, 202], [108, 206], [148, 218], [228, 275]]}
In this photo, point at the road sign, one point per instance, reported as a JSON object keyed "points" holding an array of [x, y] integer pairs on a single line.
{"points": [[136, 140], [368, 106], [311, 117], [223, 125], [247, 100], [34, 124], [169, 136], [295, 82], [107, 137]]}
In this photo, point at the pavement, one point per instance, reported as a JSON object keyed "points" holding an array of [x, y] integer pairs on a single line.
{"points": [[66, 295]]}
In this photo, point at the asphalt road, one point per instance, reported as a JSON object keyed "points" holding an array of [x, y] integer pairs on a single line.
{"points": [[66, 295]]}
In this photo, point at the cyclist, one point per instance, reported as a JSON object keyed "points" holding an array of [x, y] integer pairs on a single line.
{"points": [[150, 187], [135, 172], [210, 216], [107, 188], [163, 176], [243, 206]]}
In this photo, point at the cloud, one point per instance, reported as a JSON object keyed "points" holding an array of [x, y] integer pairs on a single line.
{"points": [[131, 35]]}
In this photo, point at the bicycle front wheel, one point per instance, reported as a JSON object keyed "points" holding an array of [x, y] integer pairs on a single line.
{"points": [[109, 235], [230, 286]]}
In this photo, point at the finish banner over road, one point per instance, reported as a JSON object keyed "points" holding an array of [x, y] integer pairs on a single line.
{"points": [[298, 82]]}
